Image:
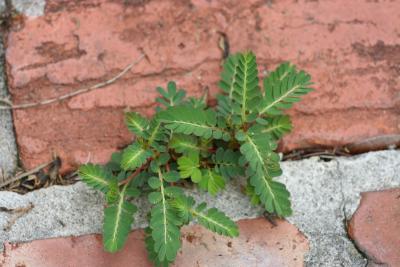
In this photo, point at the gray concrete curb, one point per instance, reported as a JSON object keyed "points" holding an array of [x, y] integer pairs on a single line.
{"points": [[324, 194]]}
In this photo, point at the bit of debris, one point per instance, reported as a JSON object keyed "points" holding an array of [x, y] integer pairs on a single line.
{"points": [[44, 175], [223, 44], [271, 218], [324, 153], [15, 215]]}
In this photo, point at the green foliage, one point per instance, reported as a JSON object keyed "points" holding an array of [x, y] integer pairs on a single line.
{"points": [[189, 167], [210, 145], [134, 156], [227, 163], [211, 182], [95, 176], [118, 218], [277, 126], [283, 87], [170, 97], [164, 226], [189, 120], [136, 123]]}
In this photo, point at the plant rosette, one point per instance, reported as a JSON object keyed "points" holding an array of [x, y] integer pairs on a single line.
{"points": [[186, 140]]}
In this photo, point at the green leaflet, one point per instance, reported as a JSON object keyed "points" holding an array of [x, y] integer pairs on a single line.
{"points": [[257, 149], [114, 164], [211, 182], [171, 97], [183, 206], [273, 195], [134, 156], [95, 176], [189, 167], [164, 226], [112, 194], [216, 221], [250, 192], [278, 126], [152, 254], [246, 91], [283, 87], [212, 219], [264, 166], [155, 133], [184, 144], [118, 219], [188, 120], [229, 76], [136, 123], [227, 162]]}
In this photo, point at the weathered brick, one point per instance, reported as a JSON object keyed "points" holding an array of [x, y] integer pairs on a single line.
{"points": [[375, 227], [259, 244]]}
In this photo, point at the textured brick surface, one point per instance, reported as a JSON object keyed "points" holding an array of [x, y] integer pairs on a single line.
{"points": [[259, 244], [375, 227], [351, 48]]}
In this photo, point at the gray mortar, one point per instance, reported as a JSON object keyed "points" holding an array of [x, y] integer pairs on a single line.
{"points": [[8, 150], [30, 8], [2, 5], [323, 195]]}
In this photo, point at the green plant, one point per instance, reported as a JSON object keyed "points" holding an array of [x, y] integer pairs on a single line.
{"points": [[186, 139]]}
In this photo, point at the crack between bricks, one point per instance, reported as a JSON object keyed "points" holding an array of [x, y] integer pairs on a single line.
{"points": [[13, 133]]}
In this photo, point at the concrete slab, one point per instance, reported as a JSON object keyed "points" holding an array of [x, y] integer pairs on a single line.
{"points": [[322, 192]]}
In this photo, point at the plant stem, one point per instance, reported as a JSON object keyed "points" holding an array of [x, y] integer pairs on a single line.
{"points": [[135, 173]]}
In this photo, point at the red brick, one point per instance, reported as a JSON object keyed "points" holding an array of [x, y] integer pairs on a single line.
{"points": [[375, 227], [259, 244], [351, 48]]}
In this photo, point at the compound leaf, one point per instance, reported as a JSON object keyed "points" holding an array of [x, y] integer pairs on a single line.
{"points": [[257, 149], [211, 182], [118, 219], [212, 219], [134, 156], [184, 144], [189, 167], [228, 163], [229, 75], [278, 126], [154, 133], [217, 221], [170, 97], [151, 253], [187, 120], [95, 176], [136, 123], [283, 87], [274, 195], [164, 226], [246, 91]]}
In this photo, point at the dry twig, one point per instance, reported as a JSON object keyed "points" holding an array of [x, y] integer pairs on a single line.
{"points": [[25, 174], [10, 106]]}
